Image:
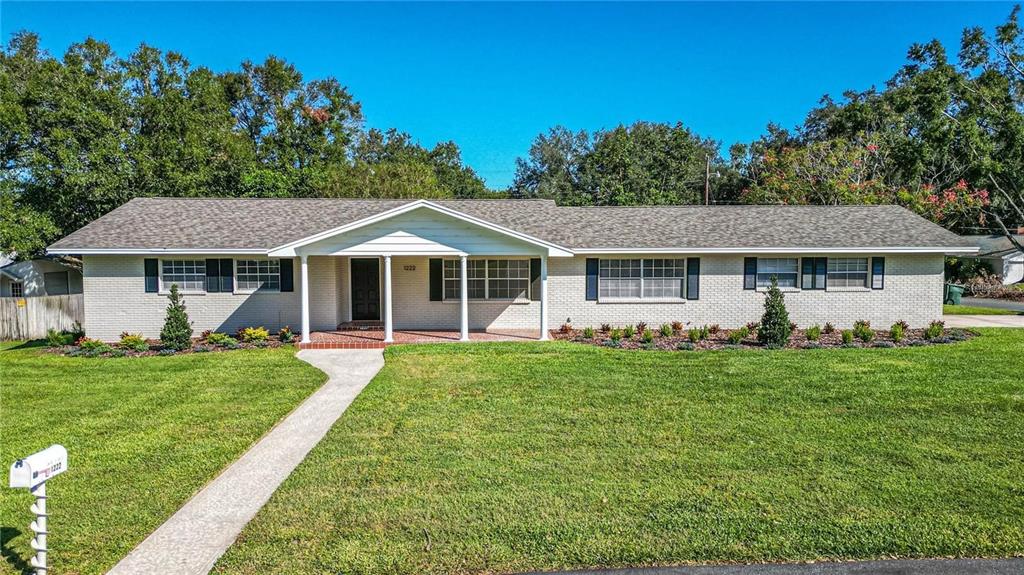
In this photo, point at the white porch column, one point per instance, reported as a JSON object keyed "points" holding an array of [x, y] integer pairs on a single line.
{"points": [[544, 297], [305, 298], [389, 335], [464, 302]]}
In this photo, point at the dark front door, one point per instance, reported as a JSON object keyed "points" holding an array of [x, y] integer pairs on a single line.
{"points": [[365, 289]]}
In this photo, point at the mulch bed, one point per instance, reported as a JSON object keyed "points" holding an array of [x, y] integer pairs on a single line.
{"points": [[798, 340], [156, 348]]}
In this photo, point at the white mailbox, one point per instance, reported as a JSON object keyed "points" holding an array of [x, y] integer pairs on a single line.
{"points": [[29, 472]]}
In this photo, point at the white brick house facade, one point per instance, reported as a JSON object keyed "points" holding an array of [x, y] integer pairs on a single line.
{"points": [[522, 264], [115, 299]]}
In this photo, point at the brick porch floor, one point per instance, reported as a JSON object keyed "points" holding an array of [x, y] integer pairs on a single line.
{"points": [[374, 338]]}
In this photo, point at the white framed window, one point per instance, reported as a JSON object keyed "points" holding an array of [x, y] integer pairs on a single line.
{"points": [[663, 278], [257, 275], [189, 275], [785, 270], [641, 278], [506, 279], [847, 272], [17, 289]]}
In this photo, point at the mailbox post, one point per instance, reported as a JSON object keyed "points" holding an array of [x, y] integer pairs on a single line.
{"points": [[31, 473]]}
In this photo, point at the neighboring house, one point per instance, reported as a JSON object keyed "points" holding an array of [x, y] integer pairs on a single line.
{"points": [[316, 263], [38, 277], [1002, 256]]}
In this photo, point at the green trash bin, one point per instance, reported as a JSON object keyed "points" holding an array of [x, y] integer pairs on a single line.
{"points": [[953, 293]]}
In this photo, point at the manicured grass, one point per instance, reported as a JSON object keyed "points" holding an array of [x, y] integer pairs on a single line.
{"points": [[142, 434], [512, 457], [948, 309]]}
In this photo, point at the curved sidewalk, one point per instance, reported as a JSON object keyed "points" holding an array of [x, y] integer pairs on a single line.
{"points": [[191, 541]]}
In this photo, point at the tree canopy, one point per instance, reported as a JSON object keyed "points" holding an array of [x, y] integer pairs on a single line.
{"points": [[83, 134]]}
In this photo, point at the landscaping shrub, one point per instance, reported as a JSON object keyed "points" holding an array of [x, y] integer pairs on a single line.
{"points": [[605, 328], [677, 327], [714, 328], [813, 333], [588, 332], [564, 328], [685, 346], [56, 338], [829, 328], [934, 329], [736, 336], [92, 347], [647, 336], [629, 332], [132, 342], [752, 326], [775, 330], [666, 330], [612, 343], [201, 348], [286, 335], [884, 344], [705, 332], [177, 331], [76, 332], [615, 335], [904, 325], [167, 351], [847, 337], [220, 339], [117, 353], [862, 329], [253, 334], [641, 326], [896, 332]]}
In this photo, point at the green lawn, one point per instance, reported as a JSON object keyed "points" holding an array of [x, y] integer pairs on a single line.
{"points": [[143, 435], [948, 309], [506, 457]]}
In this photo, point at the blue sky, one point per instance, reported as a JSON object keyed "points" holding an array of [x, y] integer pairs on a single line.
{"points": [[492, 76]]}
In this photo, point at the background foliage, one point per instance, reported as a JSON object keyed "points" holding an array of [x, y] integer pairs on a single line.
{"points": [[84, 133]]}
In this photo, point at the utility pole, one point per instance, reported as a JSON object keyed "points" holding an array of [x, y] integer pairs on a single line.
{"points": [[707, 180]]}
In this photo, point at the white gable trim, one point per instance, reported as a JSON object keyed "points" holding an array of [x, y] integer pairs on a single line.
{"points": [[288, 249]]}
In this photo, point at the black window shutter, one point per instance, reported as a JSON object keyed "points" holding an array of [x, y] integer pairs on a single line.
{"points": [[877, 273], [227, 275], [749, 273], [692, 278], [212, 275], [152, 275], [807, 280], [535, 279], [436, 279], [287, 274], [813, 273], [592, 269]]}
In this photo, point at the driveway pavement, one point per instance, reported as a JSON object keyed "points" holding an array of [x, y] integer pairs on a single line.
{"points": [[886, 567], [994, 303], [192, 540], [983, 320]]}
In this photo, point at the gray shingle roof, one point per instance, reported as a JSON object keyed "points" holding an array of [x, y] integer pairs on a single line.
{"points": [[255, 223], [994, 245]]}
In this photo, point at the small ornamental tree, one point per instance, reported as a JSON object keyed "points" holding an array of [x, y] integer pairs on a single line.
{"points": [[775, 329], [177, 331]]}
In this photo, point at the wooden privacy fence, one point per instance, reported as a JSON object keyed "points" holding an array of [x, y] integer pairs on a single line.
{"points": [[30, 317]]}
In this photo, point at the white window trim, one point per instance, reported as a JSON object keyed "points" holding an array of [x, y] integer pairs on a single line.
{"points": [[642, 299], [235, 282], [21, 288], [830, 286], [487, 283], [166, 289]]}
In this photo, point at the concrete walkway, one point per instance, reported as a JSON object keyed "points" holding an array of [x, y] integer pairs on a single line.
{"points": [[983, 320], [884, 567], [192, 540]]}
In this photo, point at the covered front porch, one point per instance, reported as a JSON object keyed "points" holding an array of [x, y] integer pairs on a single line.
{"points": [[373, 337], [422, 274]]}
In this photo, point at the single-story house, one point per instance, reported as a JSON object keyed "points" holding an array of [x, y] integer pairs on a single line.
{"points": [[38, 277], [1001, 255], [501, 264]]}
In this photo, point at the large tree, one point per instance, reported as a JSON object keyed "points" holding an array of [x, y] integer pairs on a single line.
{"points": [[81, 135], [644, 163]]}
